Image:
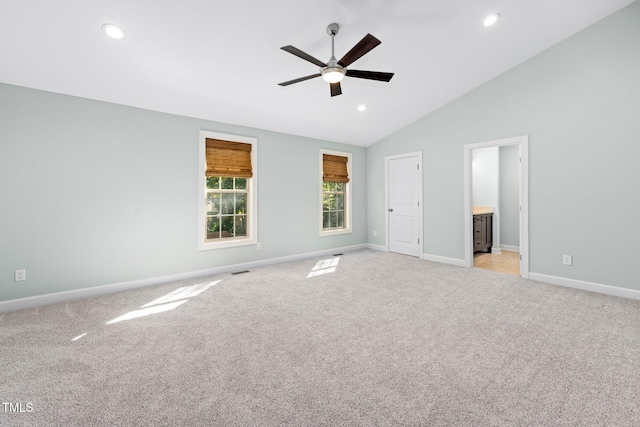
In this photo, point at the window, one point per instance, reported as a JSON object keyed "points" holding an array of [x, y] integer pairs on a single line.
{"points": [[226, 207], [333, 194], [228, 187], [335, 203]]}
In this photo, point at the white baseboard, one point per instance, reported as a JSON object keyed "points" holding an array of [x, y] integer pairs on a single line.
{"points": [[40, 300], [496, 251], [510, 248], [436, 258], [587, 286]]}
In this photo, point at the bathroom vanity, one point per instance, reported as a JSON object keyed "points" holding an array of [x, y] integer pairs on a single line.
{"points": [[482, 229]]}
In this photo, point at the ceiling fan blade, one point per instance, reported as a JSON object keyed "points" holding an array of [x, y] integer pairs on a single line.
{"points": [[370, 75], [335, 89], [367, 43], [301, 79], [300, 54]]}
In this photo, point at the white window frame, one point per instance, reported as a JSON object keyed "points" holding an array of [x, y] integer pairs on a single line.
{"points": [[347, 202], [252, 200]]}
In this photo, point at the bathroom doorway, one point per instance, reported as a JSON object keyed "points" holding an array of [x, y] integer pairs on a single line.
{"points": [[496, 205]]}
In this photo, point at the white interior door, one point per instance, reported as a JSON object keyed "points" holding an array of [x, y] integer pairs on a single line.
{"points": [[404, 186]]}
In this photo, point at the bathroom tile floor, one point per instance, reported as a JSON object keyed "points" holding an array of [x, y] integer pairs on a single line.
{"points": [[507, 262]]}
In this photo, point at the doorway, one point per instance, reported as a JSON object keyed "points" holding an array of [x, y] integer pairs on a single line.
{"points": [[403, 202], [500, 256]]}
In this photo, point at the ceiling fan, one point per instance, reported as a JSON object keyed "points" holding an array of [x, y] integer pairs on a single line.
{"points": [[333, 71]]}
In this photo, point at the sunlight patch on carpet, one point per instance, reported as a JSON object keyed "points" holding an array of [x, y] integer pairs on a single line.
{"points": [[324, 266], [78, 337], [167, 302], [147, 311], [185, 292]]}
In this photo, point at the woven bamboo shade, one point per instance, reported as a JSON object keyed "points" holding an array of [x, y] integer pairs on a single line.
{"points": [[228, 159], [334, 168]]}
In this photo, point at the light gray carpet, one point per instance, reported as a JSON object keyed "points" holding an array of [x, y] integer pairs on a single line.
{"points": [[384, 340]]}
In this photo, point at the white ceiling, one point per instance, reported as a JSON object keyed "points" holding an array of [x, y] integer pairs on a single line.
{"points": [[221, 60]]}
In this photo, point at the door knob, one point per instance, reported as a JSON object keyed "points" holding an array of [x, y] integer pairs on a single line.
{"points": [[390, 210]]}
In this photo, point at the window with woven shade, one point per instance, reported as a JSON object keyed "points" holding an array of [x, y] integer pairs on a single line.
{"points": [[228, 213], [335, 215], [334, 168], [228, 159]]}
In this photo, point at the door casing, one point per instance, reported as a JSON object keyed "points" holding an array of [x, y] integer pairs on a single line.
{"points": [[523, 143]]}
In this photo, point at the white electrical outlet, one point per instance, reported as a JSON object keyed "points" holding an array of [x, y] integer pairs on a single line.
{"points": [[20, 275], [567, 259], [375, 233], [259, 246]]}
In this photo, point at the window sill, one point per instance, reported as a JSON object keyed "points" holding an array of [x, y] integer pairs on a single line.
{"points": [[228, 243], [327, 233]]}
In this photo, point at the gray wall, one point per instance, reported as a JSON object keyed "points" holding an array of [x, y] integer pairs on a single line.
{"points": [[485, 166], [96, 193], [509, 195], [579, 102]]}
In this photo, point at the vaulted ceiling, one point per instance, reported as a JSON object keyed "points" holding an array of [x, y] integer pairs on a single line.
{"points": [[221, 60]]}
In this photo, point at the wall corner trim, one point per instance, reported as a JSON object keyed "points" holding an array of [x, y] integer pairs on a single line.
{"points": [[586, 286], [374, 247]]}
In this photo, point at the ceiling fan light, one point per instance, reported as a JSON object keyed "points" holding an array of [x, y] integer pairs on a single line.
{"points": [[333, 74]]}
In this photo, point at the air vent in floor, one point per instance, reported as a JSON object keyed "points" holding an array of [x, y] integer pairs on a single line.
{"points": [[240, 272]]}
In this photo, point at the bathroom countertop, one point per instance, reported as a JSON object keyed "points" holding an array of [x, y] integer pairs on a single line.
{"points": [[479, 210]]}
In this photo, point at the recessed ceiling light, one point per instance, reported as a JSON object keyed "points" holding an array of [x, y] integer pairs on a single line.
{"points": [[113, 31], [491, 20], [362, 107]]}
